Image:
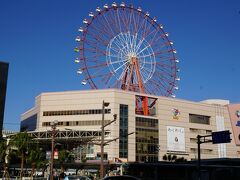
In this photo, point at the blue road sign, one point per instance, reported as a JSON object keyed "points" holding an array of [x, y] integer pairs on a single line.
{"points": [[238, 123], [221, 137]]}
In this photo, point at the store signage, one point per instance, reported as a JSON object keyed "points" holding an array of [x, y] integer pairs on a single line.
{"points": [[176, 113], [175, 139]]}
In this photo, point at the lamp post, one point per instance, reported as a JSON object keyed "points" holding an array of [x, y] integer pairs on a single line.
{"points": [[104, 104], [53, 126]]}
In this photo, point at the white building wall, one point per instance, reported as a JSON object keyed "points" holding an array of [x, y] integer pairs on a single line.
{"points": [[80, 100]]}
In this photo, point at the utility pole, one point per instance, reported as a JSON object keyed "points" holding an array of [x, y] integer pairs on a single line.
{"points": [[53, 126], [103, 142], [217, 138], [104, 104]]}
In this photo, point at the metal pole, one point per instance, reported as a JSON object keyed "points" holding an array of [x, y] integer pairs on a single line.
{"points": [[52, 152], [199, 157], [102, 144]]}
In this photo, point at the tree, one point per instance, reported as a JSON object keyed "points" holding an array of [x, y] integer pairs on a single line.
{"points": [[21, 142], [3, 148], [37, 158], [173, 158]]}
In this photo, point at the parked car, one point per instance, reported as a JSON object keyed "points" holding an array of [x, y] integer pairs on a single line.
{"points": [[74, 177], [124, 177]]}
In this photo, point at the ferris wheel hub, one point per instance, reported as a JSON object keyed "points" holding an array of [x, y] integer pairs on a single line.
{"points": [[125, 48]]}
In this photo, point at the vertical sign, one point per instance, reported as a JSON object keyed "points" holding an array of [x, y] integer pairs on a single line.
{"points": [[175, 139]]}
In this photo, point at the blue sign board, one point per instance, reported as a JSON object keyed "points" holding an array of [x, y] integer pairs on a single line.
{"points": [[238, 123], [221, 137]]}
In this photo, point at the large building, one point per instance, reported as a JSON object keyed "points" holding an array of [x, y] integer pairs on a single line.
{"points": [[171, 126], [3, 88]]}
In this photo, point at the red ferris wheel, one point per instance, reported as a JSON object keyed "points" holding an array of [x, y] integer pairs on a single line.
{"points": [[123, 47]]}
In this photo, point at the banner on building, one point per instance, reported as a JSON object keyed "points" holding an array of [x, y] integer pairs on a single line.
{"points": [[175, 139]]}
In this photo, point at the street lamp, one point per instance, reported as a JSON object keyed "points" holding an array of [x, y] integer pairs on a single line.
{"points": [[53, 126], [104, 104]]}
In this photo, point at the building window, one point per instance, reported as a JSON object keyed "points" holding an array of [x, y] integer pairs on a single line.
{"points": [[78, 123], [147, 144], [75, 112], [29, 124], [200, 119], [202, 151], [200, 131], [123, 131]]}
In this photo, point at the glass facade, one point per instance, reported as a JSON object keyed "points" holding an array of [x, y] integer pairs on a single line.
{"points": [[147, 145], [29, 124], [123, 131], [3, 88]]}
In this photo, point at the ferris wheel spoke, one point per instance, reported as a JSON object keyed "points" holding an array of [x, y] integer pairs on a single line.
{"points": [[139, 44], [155, 41], [163, 80], [163, 52], [164, 58], [164, 69], [103, 26], [134, 24], [146, 47], [164, 85], [146, 29], [145, 76], [109, 26], [169, 66], [125, 15], [92, 58], [97, 66], [130, 18], [96, 76], [147, 55], [157, 84], [120, 61], [107, 78], [124, 71], [155, 31], [120, 67], [120, 45], [97, 38], [100, 28], [113, 22], [95, 50], [119, 23]]}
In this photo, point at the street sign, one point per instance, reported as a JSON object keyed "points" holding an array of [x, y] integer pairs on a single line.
{"points": [[238, 123], [48, 155], [221, 137]]}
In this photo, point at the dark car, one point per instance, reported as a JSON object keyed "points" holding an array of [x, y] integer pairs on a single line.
{"points": [[74, 177], [124, 177]]}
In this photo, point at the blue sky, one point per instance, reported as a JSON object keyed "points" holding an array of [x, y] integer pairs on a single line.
{"points": [[37, 39]]}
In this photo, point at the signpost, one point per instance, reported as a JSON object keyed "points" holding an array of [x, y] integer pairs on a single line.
{"points": [[217, 138]]}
